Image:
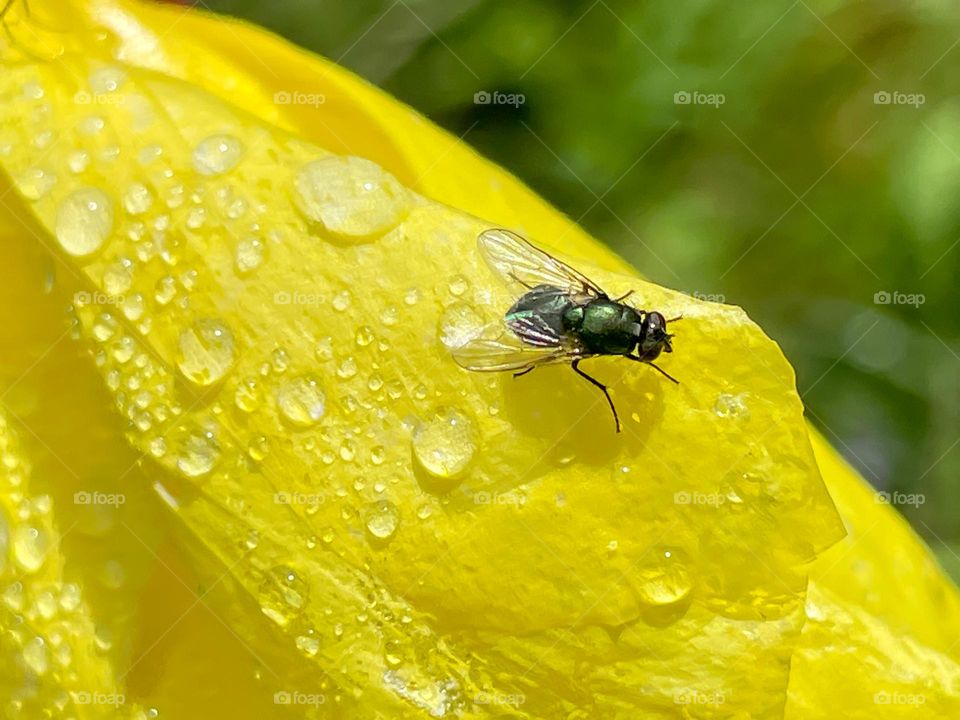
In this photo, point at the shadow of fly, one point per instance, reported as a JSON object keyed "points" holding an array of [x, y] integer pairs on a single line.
{"points": [[561, 316]]}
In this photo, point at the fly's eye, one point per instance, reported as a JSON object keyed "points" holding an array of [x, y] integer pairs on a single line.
{"points": [[655, 323]]}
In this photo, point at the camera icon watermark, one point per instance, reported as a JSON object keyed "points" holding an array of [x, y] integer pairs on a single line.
{"points": [[295, 97], [695, 97], [86, 497], [485, 97], [884, 297], [895, 97]]}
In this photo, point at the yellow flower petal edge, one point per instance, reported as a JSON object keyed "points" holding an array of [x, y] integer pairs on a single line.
{"points": [[616, 658]]}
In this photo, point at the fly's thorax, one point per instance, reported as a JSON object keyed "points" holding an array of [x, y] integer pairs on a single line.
{"points": [[609, 327]]}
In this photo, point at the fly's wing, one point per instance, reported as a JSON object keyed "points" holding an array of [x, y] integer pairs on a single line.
{"points": [[510, 352], [524, 267]]}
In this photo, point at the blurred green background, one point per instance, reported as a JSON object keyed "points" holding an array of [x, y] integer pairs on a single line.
{"points": [[785, 183]]}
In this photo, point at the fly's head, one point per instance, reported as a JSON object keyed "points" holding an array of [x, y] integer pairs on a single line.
{"points": [[653, 337]]}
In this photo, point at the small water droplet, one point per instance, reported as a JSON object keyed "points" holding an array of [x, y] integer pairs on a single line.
{"points": [[35, 655], [258, 448], [347, 368], [84, 221], [77, 161], [364, 335], [30, 546], [35, 183], [138, 199], [341, 301], [663, 576], [205, 352], [197, 454], [302, 401], [445, 444], [309, 644], [458, 285], [250, 253], [217, 154], [731, 406], [247, 395], [283, 595], [382, 518], [118, 276]]}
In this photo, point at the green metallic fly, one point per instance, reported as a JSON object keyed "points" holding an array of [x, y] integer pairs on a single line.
{"points": [[561, 316]]}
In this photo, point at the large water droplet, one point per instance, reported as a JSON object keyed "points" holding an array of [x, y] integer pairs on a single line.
{"points": [[84, 221], [205, 352], [217, 154], [460, 324], [351, 197], [302, 401], [445, 444], [283, 595], [663, 576], [381, 519]]}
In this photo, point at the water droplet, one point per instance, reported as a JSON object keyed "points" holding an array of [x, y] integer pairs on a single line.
{"points": [[35, 183], [118, 277], [35, 655], [445, 445], [197, 454], [309, 644], [247, 395], [283, 595], [106, 80], [389, 315], [258, 448], [351, 197], [341, 301], [165, 290], [217, 154], [205, 352], [460, 324], [253, 539], [732, 406], [382, 518], [663, 576], [138, 199], [279, 360], [30, 547], [250, 252], [412, 296], [302, 401], [133, 306], [347, 369], [364, 335], [378, 454], [458, 285], [78, 161], [84, 221]]}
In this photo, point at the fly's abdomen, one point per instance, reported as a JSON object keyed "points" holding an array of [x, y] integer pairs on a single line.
{"points": [[538, 316]]}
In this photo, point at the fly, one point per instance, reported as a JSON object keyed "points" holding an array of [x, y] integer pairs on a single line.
{"points": [[560, 317]]}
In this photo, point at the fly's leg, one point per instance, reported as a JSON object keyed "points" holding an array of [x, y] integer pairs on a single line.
{"points": [[655, 367], [623, 297], [523, 372], [603, 389]]}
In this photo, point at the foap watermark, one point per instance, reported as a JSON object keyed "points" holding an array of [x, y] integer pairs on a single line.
{"points": [[883, 497], [282, 297], [708, 297], [85, 697], [488, 498], [885, 297], [88, 497], [695, 97], [485, 97], [895, 97], [696, 697], [295, 97], [83, 298], [99, 98], [296, 697], [499, 699], [298, 498], [888, 697], [699, 498]]}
